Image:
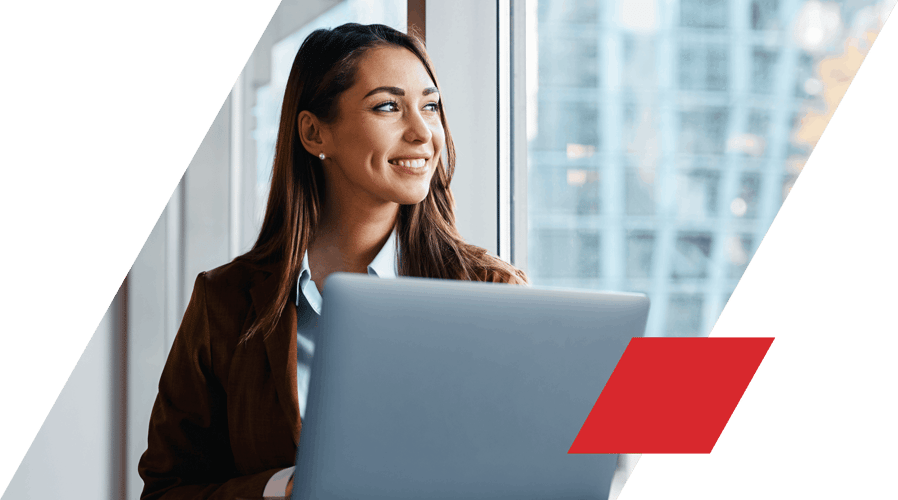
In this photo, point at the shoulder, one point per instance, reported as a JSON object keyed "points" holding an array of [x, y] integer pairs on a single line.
{"points": [[227, 292], [239, 274]]}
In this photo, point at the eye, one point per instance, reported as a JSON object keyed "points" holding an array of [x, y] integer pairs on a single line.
{"points": [[388, 106], [432, 106]]}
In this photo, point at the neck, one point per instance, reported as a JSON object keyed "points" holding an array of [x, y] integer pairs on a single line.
{"points": [[349, 236]]}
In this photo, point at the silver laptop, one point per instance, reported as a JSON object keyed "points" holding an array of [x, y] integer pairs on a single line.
{"points": [[432, 389]]}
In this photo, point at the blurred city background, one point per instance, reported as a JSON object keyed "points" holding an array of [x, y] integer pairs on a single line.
{"points": [[665, 135]]}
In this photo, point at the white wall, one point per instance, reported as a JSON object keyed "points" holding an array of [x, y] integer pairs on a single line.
{"points": [[461, 39], [72, 455]]}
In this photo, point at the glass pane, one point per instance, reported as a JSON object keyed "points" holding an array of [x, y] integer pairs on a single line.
{"points": [[569, 191], [697, 193], [692, 254], [684, 312], [664, 137], [569, 12], [566, 253], [640, 248], [745, 204], [571, 61], [764, 14], [739, 249], [703, 130], [573, 123], [704, 67], [763, 66], [640, 192], [703, 13]]}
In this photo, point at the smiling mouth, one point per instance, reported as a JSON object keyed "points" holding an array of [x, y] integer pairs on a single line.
{"points": [[410, 163]]}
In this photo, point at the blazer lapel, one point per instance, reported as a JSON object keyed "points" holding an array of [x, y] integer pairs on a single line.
{"points": [[280, 346]]}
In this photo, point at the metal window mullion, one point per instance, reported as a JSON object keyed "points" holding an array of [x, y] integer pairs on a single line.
{"points": [[518, 162], [503, 130]]}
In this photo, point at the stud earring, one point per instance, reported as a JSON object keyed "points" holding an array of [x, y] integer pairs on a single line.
{"points": [[321, 156]]}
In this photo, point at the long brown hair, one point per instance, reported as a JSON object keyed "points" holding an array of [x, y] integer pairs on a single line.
{"points": [[430, 244]]}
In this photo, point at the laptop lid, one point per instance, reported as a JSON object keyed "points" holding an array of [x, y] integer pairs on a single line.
{"points": [[446, 390]]}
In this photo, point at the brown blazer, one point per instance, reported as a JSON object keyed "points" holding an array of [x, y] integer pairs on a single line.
{"points": [[226, 417]]}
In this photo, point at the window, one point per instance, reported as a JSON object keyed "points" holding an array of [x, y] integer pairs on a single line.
{"points": [[798, 147], [739, 252], [704, 67], [640, 251], [692, 253], [640, 70], [745, 205], [684, 315], [564, 123], [755, 140], [758, 122], [566, 253], [639, 134], [763, 65], [569, 11], [640, 191], [573, 191], [764, 14], [807, 85], [697, 193], [570, 61], [788, 182], [703, 13], [669, 169], [703, 130], [586, 186]]}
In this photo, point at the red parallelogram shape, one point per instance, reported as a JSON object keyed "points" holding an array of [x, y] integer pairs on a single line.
{"points": [[671, 395]]}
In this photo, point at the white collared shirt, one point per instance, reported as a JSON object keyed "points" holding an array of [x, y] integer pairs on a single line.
{"points": [[308, 311]]}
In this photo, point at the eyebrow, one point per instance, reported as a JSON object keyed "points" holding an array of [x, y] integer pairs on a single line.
{"points": [[398, 91]]}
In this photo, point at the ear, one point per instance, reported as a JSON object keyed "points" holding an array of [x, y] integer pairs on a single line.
{"points": [[312, 132]]}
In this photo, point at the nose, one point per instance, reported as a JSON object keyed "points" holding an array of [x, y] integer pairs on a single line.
{"points": [[417, 130]]}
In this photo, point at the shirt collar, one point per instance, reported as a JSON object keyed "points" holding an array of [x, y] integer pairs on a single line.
{"points": [[384, 265], [386, 262]]}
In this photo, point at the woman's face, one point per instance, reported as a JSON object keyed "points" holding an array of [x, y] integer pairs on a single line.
{"points": [[387, 138]]}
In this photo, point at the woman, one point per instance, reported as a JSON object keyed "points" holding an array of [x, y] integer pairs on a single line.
{"points": [[360, 183]]}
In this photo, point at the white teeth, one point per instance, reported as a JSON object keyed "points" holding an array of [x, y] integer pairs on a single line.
{"points": [[419, 163]]}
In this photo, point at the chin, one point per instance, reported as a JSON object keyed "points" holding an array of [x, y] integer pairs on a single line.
{"points": [[412, 198]]}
